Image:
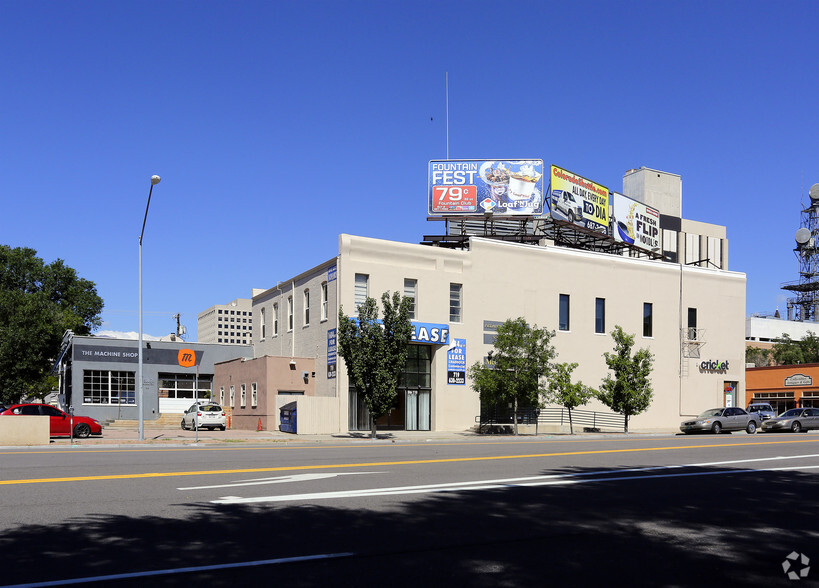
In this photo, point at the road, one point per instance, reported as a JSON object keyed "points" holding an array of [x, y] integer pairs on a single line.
{"points": [[648, 510]]}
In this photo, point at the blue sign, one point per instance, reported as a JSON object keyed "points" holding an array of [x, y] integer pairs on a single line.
{"points": [[456, 363], [332, 342], [430, 333], [331, 274]]}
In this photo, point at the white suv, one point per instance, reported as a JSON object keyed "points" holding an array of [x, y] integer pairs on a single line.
{"points": [[204, 416]]}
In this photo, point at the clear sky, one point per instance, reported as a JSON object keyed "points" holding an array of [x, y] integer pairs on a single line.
{"points": [[276, 126]]}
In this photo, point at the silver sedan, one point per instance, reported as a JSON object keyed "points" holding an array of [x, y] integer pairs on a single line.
{"points": [[794, 420], [717, 420]]}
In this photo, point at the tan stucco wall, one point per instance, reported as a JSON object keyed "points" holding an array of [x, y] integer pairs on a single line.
{"points": [[24, 430]]}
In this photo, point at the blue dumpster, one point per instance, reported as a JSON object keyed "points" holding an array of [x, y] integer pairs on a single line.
{"points": [[287, 418]]}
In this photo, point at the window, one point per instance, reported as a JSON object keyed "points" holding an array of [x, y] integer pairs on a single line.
{"points": [[306, 307], [361, 289], [563, 320], [221, 394], [184, 386], [261, 312], [232, 396], [324, 301], [692, 324], [455, 302], [243, 395], [411, 292], [599, 315], [254, 395], [276, 320], [648, 319], [108, 387], [289, 313]]}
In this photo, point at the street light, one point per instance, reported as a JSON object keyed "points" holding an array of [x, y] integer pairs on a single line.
{"points": [[154, 181]]}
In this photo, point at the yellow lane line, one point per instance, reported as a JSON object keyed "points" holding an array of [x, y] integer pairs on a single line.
{"points": [[377, 463]]}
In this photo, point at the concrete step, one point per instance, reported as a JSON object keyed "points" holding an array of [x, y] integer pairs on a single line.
{"points": [[164, 421]]}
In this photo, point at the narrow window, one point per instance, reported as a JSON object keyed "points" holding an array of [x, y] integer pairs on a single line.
{"points": [[599, 315], [243, 398], [411, 292], [692, 324], [254, 395], [306, 307], [222, 395], [455, 302], [563, 322], [289, 313], [361, 289], [324, 301], [232, 396], [648, 319], [276, 320], [261, 312]]}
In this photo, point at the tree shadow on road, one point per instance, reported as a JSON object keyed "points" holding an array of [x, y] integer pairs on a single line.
{"points": [[702, 527]]}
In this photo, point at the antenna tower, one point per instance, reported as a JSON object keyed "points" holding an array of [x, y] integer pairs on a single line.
{"points": [[805, 305]]}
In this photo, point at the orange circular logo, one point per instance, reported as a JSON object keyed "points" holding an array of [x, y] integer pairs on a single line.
{"points": [[186, 357]]}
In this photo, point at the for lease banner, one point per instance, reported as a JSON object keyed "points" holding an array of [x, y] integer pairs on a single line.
{"points": [[580, 201], [475, 187]]}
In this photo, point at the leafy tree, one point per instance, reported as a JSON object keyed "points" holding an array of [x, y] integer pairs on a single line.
{"points": [[568, 395], [758, 356], [375, 351], [38, 303], [789, 352], [522, 361], [629, 391]]}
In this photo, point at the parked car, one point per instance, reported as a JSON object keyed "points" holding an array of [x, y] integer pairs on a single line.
{"points": [[60, 422], [794, 420], [763, 409], [717, 420], [204, 416]]}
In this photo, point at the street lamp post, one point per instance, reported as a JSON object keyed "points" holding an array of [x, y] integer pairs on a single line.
{"points": [[154, 181]]}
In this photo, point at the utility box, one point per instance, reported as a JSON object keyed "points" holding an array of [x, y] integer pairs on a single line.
{"points": [[287, 418]]}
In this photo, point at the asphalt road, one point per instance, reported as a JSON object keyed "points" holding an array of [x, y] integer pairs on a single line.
{"points": [[659, 510]]}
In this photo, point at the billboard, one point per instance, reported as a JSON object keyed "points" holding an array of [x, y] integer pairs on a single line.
{"points": [[474, 187], [580, 201], [635, 223]]}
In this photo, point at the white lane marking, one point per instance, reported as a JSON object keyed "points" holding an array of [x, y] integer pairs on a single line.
{"points": [[554, 479], [169, 571], [278, 480]]}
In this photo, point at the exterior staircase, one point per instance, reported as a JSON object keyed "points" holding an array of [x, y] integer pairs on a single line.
{"points": [[165, 421]]}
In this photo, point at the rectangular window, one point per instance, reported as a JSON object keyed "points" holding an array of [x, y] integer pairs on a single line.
{"points": [[563, 320], [411, 292], [108, 387], [692, 324], [648, 319], [455, 303], [254, 395], [221, 395], [306, 307], [289, 313], [324, 301], [232, 396], [361, 289], [185, 386], [261, 312], [599, 315], [243, 395], [276, 320]]}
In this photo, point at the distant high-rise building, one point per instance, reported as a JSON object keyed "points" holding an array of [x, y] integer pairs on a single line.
{"points": [[227, 323]]}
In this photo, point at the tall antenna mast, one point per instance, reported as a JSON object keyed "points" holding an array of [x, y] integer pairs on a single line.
{"points": [[447, 115]]}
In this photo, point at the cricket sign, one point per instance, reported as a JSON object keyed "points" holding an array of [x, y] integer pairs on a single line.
{"points": [[635, 223], [578, 200], [474, 187]]}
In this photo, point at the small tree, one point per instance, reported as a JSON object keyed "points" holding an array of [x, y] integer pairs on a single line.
{"points": [[568, 395], [628, 391], [758, 356], [522, 360], [375, 351]]}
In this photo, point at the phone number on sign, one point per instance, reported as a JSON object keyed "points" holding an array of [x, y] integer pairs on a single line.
{"points": [[455, 199]]}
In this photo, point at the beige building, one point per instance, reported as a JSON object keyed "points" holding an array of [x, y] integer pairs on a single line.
{"points": [[230, 323]]}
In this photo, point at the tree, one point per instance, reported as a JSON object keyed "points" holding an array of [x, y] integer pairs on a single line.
{"points": [[38, 303], [522, 357], [629, 391], [568, 395], [758, 356], [375, 351], [790, 352]]}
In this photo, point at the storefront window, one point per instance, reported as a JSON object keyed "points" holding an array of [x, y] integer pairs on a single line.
{"points": [[182, 386], [108, 387]]}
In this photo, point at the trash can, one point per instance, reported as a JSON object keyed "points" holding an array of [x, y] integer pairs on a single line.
{"points": [[287, 418]]}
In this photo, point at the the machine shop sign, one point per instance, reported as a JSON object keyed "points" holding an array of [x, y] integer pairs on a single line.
{"points": [[799, 380], [121, 354]]}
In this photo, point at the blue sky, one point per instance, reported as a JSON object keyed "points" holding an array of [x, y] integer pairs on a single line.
{"points": [[276, 126]]}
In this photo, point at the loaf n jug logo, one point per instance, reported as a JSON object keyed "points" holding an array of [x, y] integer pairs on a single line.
{"points": [[186, 357], [796, 566]]}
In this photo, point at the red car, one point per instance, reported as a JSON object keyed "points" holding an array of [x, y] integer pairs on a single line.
{"points": [[60, 421]]}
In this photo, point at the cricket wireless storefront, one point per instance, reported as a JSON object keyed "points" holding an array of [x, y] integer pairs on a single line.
{"points": [[98, 375]]}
